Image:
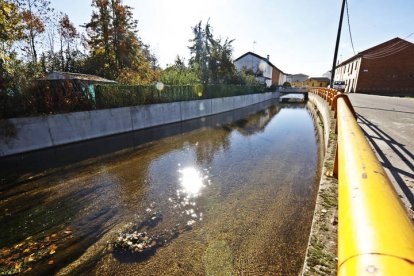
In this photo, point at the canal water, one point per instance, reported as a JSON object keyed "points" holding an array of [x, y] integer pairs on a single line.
{"points": [[222, 195]]}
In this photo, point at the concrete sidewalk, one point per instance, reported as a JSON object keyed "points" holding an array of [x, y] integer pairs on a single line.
{"points": [[388, 123]]}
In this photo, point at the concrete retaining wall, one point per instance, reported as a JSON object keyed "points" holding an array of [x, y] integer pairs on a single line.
{"points": [[35, 133], [325, 112]]}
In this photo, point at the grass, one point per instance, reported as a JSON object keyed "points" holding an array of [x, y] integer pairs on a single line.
{"points": [[319, 257]]}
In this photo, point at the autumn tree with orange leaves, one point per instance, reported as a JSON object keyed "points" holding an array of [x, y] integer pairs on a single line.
{"points": [[68, 47], [116, 52]]}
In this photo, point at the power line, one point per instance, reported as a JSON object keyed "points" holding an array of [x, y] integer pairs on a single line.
{"points": [[389, 54], [392, 48], [349, 26], [388, 51]]}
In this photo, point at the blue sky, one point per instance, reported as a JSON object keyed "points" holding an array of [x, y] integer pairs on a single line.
{"points": [[299, 35]]}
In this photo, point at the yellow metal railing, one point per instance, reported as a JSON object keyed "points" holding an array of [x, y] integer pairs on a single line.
{"points": [[375, 234]]}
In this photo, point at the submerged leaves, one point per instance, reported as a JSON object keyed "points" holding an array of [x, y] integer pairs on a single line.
{"points": [[22, 256]]}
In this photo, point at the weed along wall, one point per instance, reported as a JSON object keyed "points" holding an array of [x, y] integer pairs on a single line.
{"points": [[321, 253], [18, 135]]}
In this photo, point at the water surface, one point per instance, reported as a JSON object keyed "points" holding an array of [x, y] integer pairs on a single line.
{"points": [[241, 193]]}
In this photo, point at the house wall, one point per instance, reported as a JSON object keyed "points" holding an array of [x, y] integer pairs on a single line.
{"points": [[257, 65], [315, 83], [349, 73], [276, 77], [282, 78], [393, 74], [389, 75], [35, 133]]}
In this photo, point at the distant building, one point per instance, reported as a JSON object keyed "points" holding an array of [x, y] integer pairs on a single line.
{"points": [[296, 80], [261, 67], [75, 82], [387, 68], [316, 82], [327, 74], [296, 77]]}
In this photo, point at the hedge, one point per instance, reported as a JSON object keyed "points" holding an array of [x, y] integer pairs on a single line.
{"points": [[45, 97], [109, 96], [51, 97]]}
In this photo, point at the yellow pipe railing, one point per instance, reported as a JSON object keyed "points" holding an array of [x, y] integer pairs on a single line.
{"points": [[375, 234]]}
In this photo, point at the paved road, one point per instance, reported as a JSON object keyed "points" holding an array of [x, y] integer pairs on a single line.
{"points": [[388, 123]]}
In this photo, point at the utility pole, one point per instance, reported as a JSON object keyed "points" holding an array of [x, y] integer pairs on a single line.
{"points": [[338, 37]]}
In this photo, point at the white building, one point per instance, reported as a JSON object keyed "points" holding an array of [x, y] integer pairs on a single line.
{"points": [[261, 67]]}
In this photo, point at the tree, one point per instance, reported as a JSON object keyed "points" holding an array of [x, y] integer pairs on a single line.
{"points": [[98, 39], [35, 16], [198, 51], [116, 50], [11, 31], [68, 46], [179, 74], [211, 57]]}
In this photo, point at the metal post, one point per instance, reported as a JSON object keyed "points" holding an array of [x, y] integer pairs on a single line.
{"points": [[338, 37]]}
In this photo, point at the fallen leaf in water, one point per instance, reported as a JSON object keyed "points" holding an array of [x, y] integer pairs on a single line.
{"points": [[54, 235], [51, 262], [28, 269], [28, 238], [26, 250], [67, 232], [19, 245], [52, 249], [17, 266], [5, 252], [31, 259]]}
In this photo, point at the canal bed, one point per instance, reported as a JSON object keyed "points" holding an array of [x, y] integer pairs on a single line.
{"points": [[233, 198]]}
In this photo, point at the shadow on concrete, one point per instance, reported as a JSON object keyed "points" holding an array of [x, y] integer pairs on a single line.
{"points": [[382, 109], [398, 148]]}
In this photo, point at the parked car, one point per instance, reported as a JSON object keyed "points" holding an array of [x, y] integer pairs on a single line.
{"points": [[339, 85]]}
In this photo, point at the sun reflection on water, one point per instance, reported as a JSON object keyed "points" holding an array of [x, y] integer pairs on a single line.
{"points": [[191, 181]]}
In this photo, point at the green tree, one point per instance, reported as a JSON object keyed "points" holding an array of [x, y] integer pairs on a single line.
{"points": [[211, 58], [198, 61], [98, 31], [179, 74]]}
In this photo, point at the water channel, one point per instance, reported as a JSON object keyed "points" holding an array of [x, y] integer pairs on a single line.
{"points": [[228, 194]]}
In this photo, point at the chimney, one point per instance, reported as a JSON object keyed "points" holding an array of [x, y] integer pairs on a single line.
{"points": [[268, 58]]}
